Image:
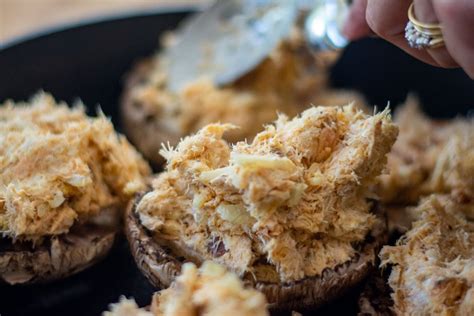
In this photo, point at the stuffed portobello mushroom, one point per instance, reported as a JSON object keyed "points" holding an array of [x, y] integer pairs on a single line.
{"points": [[64, 181], [432, 264], [429, 157], [290, 212]]}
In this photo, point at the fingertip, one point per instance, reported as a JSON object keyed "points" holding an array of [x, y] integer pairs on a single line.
{"points": [[354, 31], [348, 30], [356, 26]]}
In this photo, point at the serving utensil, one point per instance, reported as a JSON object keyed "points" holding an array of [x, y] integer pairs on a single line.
{"points": [[232, 37]]}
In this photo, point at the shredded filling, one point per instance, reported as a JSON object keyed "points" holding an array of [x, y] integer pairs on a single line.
{"points": [[59, 167], [284, 207], [433, 263], [429, 157], [208, 291]]}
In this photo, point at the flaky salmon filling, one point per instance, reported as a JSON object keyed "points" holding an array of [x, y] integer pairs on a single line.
{"points": [[59, 167], [208, 291], [287, 81], [433, 272], [429, 157], [286, 206]]}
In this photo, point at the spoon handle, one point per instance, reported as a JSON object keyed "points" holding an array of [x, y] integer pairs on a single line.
{"points": [[323, 25]]}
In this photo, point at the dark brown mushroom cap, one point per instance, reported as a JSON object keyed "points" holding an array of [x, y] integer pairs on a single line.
{"points": [[57, 257], [159, 264], [139, 120], [375, 299]]}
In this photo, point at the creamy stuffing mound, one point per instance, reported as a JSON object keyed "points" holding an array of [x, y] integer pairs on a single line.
{"points": [[210, 291], [288, 81], [429, 157], [60, 167], [433, 272], [284, 207]]}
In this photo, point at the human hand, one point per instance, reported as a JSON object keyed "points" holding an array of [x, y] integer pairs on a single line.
{"points": [[388, 18]]}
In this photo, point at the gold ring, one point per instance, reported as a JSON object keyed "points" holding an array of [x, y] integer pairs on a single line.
{"points": [[418, 24], [422, 35]]}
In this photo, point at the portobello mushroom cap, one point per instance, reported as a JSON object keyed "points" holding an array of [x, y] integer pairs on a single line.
{"points": [[56, 257], [160, 264]]}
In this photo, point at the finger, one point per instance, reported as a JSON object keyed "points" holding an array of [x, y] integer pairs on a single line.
{"points": [[388, 18], [425, 12], [458, 25], [356, 26]]}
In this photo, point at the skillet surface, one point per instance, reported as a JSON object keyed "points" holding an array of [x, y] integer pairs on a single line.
{"points": [[88, 60]]}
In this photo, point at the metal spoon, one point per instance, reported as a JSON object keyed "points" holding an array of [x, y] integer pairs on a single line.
{"points": [[232, 37]]}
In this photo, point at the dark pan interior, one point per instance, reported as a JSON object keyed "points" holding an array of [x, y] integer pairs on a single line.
{"points": [[89, 61]]}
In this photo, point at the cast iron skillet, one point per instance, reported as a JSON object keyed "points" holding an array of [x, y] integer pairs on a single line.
{"points": [[89, 60]]}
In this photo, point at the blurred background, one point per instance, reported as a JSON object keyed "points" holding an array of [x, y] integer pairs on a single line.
{"points": [[19, 17]]}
